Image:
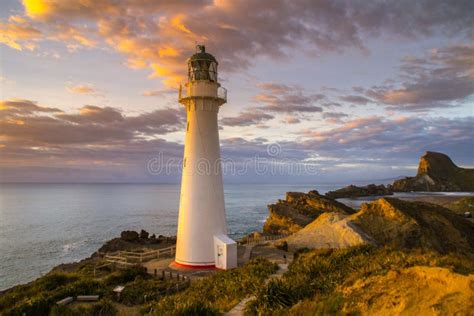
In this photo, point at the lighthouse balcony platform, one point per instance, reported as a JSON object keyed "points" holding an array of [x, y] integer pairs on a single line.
{"points": [[207, 90]]}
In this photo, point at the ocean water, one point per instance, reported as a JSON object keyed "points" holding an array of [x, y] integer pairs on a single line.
{"points": [[43, 225]]}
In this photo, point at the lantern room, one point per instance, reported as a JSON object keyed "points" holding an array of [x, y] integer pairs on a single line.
{"points": [[202, 66]]}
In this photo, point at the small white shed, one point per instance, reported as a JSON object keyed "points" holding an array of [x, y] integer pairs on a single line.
{"points": [[225, 252]]}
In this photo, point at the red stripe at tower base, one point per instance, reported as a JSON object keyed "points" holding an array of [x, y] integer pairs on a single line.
{"points": [[193, 267]]}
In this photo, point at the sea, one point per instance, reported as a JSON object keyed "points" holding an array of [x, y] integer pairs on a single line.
{"points": [[43, 225]]}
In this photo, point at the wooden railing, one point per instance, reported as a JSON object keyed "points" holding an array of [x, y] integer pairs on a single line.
{"points": [[259, 240], [133, 257]]}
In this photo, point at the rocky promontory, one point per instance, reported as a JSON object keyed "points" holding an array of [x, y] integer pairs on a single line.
{"points": [[298, 210], [405, 224], [352, 191], [391, 222], [437, 173]]}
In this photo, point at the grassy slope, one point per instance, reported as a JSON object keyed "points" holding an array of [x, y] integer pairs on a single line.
{"points": [[314, 282]]}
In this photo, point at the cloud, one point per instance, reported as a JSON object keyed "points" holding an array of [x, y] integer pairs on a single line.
{"points": [[104, 144], [334, 117], [92, 125], [287, 99], [291, 120], [397, 136], [159, 35], [247, 118], [22, 107], [81, 89], [159, 93], [357, 99], [19, 34], [442, 78]]}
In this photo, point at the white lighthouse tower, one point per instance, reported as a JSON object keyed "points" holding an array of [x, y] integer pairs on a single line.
{"points": [[202, 240]]}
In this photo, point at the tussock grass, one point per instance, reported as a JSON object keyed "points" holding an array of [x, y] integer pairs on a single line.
{"points": [[311, 284], [215, 294]]}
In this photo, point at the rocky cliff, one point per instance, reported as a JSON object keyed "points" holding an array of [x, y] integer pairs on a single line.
{"points": [[298, 210], [437, 172], [404, 224], [392, 222]]}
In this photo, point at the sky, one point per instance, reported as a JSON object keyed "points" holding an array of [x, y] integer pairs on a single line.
{"points": [[318, 91]]}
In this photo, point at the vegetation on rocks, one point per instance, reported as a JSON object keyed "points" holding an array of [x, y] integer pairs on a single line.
{"points": [[317, 282], [466, 204], [404, 224]]}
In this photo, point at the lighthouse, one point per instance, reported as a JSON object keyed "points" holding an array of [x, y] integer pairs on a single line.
{"points": [[202, 240]]}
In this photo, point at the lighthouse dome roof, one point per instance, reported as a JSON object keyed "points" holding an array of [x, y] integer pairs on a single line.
{"points": [[202, 55]]}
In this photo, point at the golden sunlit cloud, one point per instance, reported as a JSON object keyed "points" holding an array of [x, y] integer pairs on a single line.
{"points": [[177, 22], [18, 33], [37, 8], [81, 89]]}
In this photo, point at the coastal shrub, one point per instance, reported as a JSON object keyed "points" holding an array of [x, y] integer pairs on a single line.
{"points": [[315, 275], [38, 300], [141, 291], [37, 305], [103, 308], [47, 283], [55, 280], [217, 293], [127, 275], [64, 310], [170, 307]]}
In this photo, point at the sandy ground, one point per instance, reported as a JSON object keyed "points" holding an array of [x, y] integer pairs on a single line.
{"points": [[330, 230]]}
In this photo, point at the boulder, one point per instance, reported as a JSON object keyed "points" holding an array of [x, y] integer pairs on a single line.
{"points": [[144, 234], [129, 235]]}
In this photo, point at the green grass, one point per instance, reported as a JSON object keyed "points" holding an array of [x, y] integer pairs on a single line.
{"points": [[311, 283], [40, 296], [216, 294]]}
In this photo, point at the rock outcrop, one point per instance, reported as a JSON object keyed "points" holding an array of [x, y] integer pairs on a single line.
{"points": [[353, 191], [329, 230], [404, 224], [437, 172], [298, 210], [390, 221], [130, 239]]}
